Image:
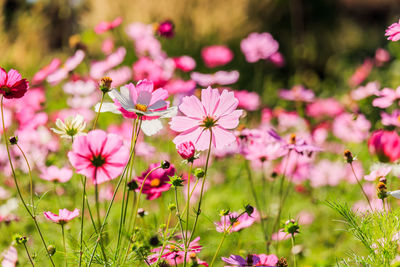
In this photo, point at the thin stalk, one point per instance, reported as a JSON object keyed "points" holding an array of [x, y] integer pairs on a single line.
{"points": [[30, 178], [82, 217], [165, 238], [96, 193], [98, 113], [187, 211], [218, 249], [202, 189], [111, 203], [294, 255], [29, 256], [65, 247], [16, 183], [359, 184], [179, 216]]}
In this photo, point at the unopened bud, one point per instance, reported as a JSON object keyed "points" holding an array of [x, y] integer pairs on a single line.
{"points": [[105, 84], [51, 249], [13, 140], [199, 173], [165, 164]]}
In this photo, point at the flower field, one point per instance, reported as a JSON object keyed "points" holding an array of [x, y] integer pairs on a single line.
{"points": [[134, 143]]}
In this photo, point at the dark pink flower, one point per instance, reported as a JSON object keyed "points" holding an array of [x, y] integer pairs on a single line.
{"points": [[12, 85], [145, 68], [216, 55], [185, 63], [106, 26], [393, 32], [166, 29], [267, 260], [385, 144], [248, 100], [63, 216], [178, 86], [156, 182], [99, 156], [277, 59], [186, 150]]}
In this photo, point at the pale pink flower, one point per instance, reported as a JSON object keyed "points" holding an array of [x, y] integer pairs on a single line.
{"points": [[329, 107], [146, 68], [185, 63], [386, 97], [351, 128], [80, 87], [106, 26], [391, 119], [267, 260], [145, 42], [120, 76], [42, 74], [362, 206], [220, 78], [216, 55], [381, 56], [99, 156], [178, 86], [362, 92], [297, 93], [393, 32], [107, 46], [55, 174], [10, 257], [259, 46], [216, 114], [248, 100], [63, 216], [99, 68], [326, 172], [378, 173], [305, 217], [69, 65], [280, 235]]}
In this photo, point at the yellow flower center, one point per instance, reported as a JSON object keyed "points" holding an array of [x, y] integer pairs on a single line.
{"points": [[141, 107], [155, 182], [398, 118], [235, 224], [192, 255], [292, 139]]}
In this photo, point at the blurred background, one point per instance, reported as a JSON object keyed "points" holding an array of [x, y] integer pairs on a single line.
{"points": [[323, 41]]}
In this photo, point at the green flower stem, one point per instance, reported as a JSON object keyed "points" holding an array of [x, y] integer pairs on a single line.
{"points": [[98, 113], [219, 248], [294, 255], [359, 184], [165, 238], [30, 178], [82, 219], [16, 183], [187, 212], [65, 247], [29, 255]]}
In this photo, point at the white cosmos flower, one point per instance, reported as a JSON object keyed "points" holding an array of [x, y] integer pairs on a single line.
{"points": [[71, 127], [142, 101]]}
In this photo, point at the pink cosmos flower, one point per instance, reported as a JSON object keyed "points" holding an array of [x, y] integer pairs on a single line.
{"points": [[9, 257], [215, 115], [99, 68], [216, 55], [220, 77], [385, 144], [55, 174], [186, 150], [99, 156], [362, 92], [156, 182], [267, 260], [120, 76], [107, 46], [277, 59], [351, 128], [69, 65], [393, 32], [297, 93], [80, 87], [381, 56], [386, 97], [63, 216], [362, 206], [42, 74], [248, 100], [259, 46], [280, 235], [391, 119], [106, 26], [362, 72], [305, 217], [242, 222], [185, 63], [178, 86], [132, 101], [12, 85], [378, 173], [146, 68], [295, 143], [236, 260], [329, 107]]}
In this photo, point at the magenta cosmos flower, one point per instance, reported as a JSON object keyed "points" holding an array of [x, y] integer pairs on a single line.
{"points": [[242, 221], [156, 182], [63, 216], [12, 85], [99, 156], [393, 32], [385, 144], [186, 150], [215, 114]]}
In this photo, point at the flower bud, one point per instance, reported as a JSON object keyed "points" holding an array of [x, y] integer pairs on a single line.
{"points": [[19, 239], [249, 209], [51, 249], [132, 185], [141, 212], [291, 227], [224, 212], [13, 140], [171, 207], [348, 156], [105, 84], [187, 151], [199, 173], [166, 29], [175, 181], [163, 264], [154, 242], [165, 164]]}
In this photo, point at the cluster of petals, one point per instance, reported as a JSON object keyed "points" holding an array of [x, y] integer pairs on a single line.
{"points": [[208, 119], [185, 63], [372, 88], [351, 128], [220, 77], [393, 32], [99, 68], [252, 260], [12, 85], [386, 97], [385, 144], [392, 119], [70, 64], [63, 216], [259, 46], [42, 74], [248, 100], [99, 156]]}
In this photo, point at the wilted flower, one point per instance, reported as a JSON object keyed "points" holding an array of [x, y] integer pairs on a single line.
{"points": [[63, 216], [71, 127]]}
